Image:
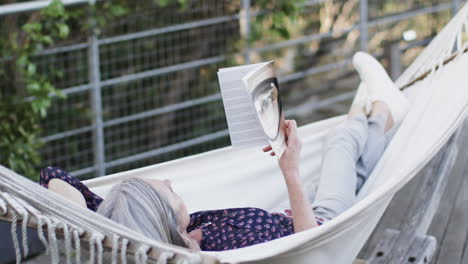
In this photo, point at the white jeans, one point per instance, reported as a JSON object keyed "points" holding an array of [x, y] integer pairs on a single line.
{"points": [[351, 152]]}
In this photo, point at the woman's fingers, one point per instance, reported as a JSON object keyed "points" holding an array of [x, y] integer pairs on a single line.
{"points": [[293, 138], [292, 124], [292, 129]]}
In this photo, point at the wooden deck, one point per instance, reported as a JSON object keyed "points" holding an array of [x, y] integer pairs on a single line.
{"points": [[450, 223]]}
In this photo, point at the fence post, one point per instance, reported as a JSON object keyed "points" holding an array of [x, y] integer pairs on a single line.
{"points": [[246, 19], [363, 26], [393, 52], [96, 102], [455, 5]]}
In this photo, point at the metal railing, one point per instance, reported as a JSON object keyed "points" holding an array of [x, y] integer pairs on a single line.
{"points": [[96, 84]]}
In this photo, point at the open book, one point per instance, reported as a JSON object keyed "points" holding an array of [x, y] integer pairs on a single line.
{"points": [[253, 107]]}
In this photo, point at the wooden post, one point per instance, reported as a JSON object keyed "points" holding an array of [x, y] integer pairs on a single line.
{"points": [[393, 53]]}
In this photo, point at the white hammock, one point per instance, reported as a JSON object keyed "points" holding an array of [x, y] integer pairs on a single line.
{"points": [[237, 178]]}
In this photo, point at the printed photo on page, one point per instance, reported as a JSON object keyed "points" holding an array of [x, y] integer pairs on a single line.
{"points": [[266, 99]]}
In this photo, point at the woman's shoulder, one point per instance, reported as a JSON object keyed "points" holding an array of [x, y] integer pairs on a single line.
{"points": [[49, 173]]}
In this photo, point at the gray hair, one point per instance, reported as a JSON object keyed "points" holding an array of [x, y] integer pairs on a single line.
{"points": [[135, 204]]}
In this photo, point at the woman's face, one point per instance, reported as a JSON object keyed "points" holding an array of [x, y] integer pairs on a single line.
{"points": [[178, 205]]}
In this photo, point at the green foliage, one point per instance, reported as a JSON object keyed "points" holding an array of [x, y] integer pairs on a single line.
{"points": [[164, 3], [20, 138], [21, 112], [25, 103], [275, 20]]}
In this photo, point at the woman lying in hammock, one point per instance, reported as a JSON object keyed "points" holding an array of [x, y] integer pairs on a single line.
{"points": [[352, 150]]}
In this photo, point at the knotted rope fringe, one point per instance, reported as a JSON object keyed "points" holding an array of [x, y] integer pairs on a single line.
{"points": [[28, 210], [164, 256], [3, 207], [24, 232], [95, 242], [18, 208], [141, 255], [14, 236], [53, 245], [76, 238], [123, 251], [115, 248], [100, 249], [40, 233], [67, 238]]}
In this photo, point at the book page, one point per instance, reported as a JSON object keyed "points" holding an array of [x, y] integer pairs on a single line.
{"points": [[263, 88], [244, 129]]}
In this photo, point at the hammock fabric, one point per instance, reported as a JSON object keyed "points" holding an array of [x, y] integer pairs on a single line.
{"points": [[217, 178]]}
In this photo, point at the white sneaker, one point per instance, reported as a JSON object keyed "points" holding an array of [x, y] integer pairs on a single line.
{"points": [[379, 85], [362, 98]]}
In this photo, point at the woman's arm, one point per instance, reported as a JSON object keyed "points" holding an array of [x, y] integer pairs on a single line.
{"points": [[303, 216]]}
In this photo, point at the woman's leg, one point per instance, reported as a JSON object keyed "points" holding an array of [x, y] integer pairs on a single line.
{"points": [[380, 130], [343, 147]]}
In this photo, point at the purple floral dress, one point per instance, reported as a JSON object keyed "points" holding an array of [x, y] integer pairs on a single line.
{"points": [[221, 229], [238, 227]]}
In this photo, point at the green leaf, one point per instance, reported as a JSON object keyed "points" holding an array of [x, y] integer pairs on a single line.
{"points": [[283, 32], [22, 60], [183, 4], [64, 30], [43, 112], [60, 94], [162, 3], [47, 40], [31, 69], [116, 10], [54, 10], [33, 87], [32, 27]]}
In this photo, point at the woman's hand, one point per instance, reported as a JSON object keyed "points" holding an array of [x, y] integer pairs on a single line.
{"points": [[289, 161]]}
